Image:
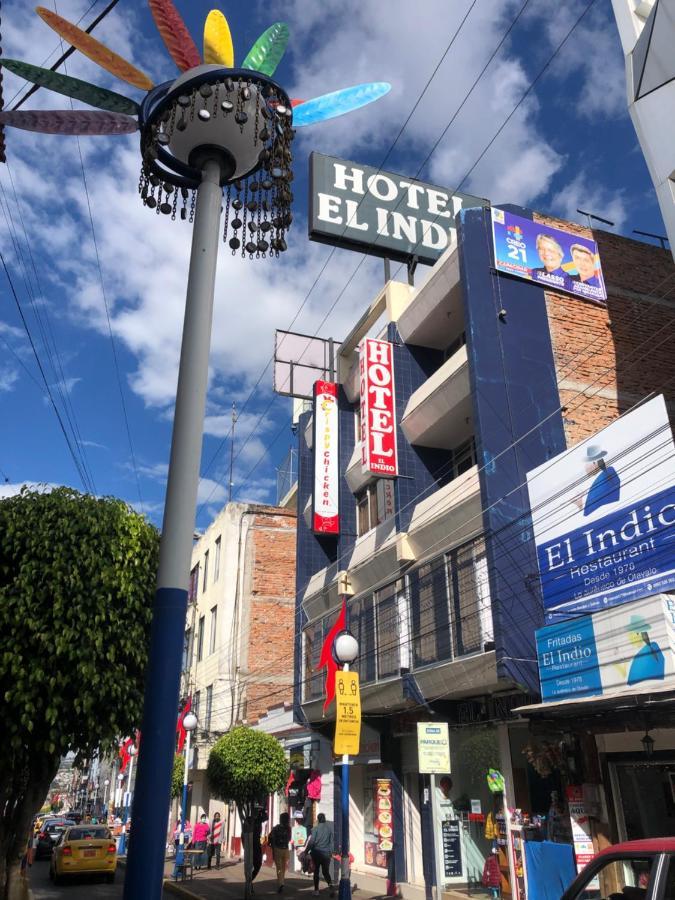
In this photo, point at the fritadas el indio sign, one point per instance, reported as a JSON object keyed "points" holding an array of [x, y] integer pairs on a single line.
{"points": [[378, 408], [326, 512]]}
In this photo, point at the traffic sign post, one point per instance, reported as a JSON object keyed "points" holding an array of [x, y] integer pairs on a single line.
{"points": [[346, 743]]}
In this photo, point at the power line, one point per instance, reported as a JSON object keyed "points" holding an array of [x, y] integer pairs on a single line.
{"points": [[88, 486], [421, 167]]}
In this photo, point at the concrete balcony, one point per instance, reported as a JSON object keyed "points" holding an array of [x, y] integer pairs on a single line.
{"points": [[434, 316], [378, 554], [356, 478], [438, 413], [449, 516]]}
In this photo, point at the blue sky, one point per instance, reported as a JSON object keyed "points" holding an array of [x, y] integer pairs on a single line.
{"points": [[571, 144]]}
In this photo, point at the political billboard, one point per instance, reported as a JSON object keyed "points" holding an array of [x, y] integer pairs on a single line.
{"points": [[603, 515], [609, 652], [551, 257]]}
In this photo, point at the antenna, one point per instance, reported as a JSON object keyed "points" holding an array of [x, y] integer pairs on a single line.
{"points": [[659, 237], [590, 216], [234, 422]]}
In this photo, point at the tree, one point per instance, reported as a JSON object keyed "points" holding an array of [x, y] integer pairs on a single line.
{"points": [[77, 576], [245, 766], [177, 776]]}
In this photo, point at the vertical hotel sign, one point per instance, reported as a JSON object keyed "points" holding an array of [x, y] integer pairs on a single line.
{"points": [[379, 454], [325, 515]]}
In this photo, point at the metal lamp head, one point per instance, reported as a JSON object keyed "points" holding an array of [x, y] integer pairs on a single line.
{"points": [[238, 117], [133, 750], [648, 743], [346, 648], [189, 721]]}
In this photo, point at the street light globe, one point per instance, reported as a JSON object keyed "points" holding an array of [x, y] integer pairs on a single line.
{"points": [[133, 750], [120, 777], [190, 721], [346, 648], [106, 782]]}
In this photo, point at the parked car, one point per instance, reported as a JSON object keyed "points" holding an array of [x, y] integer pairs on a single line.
{"points": [[50, 831], [84, 849], [634, 870]]}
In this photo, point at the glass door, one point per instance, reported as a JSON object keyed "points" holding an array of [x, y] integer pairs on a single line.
{"points": [[632, 782]]}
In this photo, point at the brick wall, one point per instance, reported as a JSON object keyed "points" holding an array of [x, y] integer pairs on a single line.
{"points": [[271, 589], [609, 358]]}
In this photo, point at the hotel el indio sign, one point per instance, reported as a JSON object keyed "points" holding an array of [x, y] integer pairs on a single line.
{"points": [[380, 213]]}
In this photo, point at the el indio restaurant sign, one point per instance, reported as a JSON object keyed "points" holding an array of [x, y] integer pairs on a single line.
{"points": [[378, 409], [381, 213]]}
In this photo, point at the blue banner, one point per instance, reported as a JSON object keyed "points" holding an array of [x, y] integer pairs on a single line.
{"points": [[555, 259], [568, 660], [622, 556]]}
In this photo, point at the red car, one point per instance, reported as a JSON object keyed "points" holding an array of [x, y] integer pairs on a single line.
{"points": [[634, 870]]}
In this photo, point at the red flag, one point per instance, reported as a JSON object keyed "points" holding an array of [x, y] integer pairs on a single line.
{"points": [[327, 659], [125, 756], [180, 731]]}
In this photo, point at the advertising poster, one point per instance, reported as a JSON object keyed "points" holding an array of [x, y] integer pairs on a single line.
{"points": [[378, 408], [603, 516], [378, 821], [433, 748], [581, 831], [610, 651], [452, 848], [551, 257], [326, 517], [347, 714]]}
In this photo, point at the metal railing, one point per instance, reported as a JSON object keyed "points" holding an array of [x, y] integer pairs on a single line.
{"points": [[287, 474]]}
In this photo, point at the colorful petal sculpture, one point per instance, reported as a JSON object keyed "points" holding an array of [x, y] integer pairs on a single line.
{"points": [[72, 87], [69, 121], [218, 47], [175, 35], [265, 55], [95, 50], [328, 106]]}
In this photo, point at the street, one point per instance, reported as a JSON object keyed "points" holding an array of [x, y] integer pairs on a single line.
{"points": [[83, 886]]}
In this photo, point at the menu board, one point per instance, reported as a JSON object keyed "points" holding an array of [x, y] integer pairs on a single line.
{"points": [[383, 823], [452, 848]]}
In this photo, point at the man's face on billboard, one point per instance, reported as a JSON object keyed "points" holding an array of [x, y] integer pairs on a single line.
{"points": [[550, 254], [585, 264]]}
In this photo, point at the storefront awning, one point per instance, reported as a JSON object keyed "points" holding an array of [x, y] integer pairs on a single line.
{"points": [[619, 703]]}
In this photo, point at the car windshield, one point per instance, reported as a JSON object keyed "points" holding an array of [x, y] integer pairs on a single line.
{"points": [[89, 833], [58, 826]]}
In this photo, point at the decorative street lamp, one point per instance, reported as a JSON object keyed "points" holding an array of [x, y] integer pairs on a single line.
{"points": [[105, 796], [346, 649], [133, 751], [189, 725], [215, 128]]}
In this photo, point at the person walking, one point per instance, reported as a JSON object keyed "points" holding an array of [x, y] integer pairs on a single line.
{"points": [[199, 837], [280, 838], [320, 848], [215, 840]]}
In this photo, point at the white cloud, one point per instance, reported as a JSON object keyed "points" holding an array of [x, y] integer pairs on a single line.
{"points": [[11, 490], [582, 192], [8, 379]]}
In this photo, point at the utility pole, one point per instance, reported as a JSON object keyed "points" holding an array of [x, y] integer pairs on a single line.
{"points": [[234, 422]]}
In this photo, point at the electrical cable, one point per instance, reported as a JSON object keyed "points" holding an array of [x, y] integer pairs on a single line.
{"points": [[365, 256], [340, 238], [88, 488], [118, 375]]}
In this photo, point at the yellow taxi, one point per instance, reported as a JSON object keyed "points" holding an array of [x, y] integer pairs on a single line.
{"points": [[84, 850]]}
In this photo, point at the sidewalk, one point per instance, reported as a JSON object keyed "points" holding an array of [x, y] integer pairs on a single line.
{"points": [[228, 883]]}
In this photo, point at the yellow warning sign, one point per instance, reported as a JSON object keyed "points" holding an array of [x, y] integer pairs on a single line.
{"points": [[348, 719]]}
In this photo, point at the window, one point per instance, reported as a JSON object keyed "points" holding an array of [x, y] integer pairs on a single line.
{"points": [[206, 571], [463, 457], [187, 650], [195, 705], [313, 678], [465, 574], [200, 639], [430, 614], [216, 562], [209, 708], [388, 632], [362, 626], [628, 877], [456, 345], [214, 623], [194, 584], [368, 513]]}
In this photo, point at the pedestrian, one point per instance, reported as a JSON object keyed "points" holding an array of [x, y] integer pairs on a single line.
{"points": [[199, 838], [259, 816], [320, 847], [280, 837], [215, 840]]}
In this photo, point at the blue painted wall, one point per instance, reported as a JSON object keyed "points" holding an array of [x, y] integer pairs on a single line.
{"points": [[514, 389]]}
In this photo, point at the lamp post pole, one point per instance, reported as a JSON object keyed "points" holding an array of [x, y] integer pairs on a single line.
{"points": [[346, 651], [189, 724], [127, 800], [146, 864]]}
